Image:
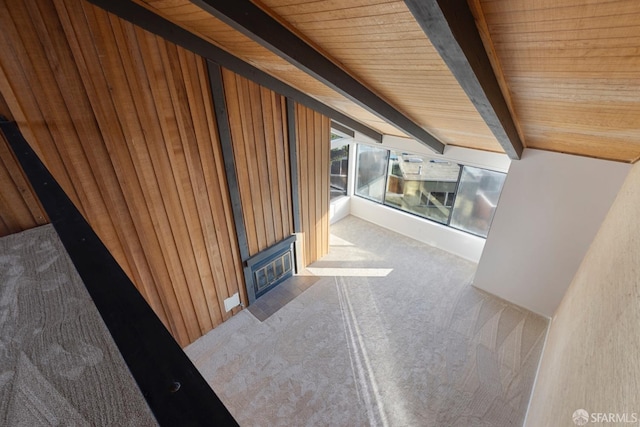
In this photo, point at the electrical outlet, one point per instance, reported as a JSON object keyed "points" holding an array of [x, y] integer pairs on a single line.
{"points": [[232, 302]]}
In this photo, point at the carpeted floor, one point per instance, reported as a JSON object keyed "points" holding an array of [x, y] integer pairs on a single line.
{"points": [[59, 365], [391, 335]]}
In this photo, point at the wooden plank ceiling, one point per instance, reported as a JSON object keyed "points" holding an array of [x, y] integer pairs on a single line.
{"points": [[573, 70], [376, 41], [569, 69]]}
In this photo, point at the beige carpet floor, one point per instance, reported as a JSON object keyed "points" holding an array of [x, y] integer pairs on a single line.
{"points": [[391, 335], [59, 365]]}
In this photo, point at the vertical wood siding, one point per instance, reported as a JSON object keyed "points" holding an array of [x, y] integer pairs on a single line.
{"points": [[19, 207], [257, 118], [313, 139], [124, 121]]}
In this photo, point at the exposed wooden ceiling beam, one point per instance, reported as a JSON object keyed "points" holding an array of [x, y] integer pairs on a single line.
{"points": [[344, 130], [144, 18], [255, 23], [451, 29]]}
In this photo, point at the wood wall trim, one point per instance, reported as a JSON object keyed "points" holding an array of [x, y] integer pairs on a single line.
{"points": [[217, 92], [293, 165]]}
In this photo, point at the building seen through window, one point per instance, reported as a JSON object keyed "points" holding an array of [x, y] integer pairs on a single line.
{"points": [[423, 186], [458, 196]]}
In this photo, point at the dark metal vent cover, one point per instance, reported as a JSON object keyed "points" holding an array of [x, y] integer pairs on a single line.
{"points": [[269, 268], [272, 272]]}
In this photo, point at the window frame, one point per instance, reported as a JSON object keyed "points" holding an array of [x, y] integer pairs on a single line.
{"points": [[494, 211], [384, 203], [347, 142], [386, 173]]}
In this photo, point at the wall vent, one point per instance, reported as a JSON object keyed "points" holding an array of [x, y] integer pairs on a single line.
{"points": [[269, 268]]}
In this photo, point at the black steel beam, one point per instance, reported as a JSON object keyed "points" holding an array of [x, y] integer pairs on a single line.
{"points": [[452, 30], [138, 15], [250, 20], [174, 389], [226, 144]]}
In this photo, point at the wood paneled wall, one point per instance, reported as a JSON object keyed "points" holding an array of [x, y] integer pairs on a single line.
{"points": [[124, 121], [258, 122], [313, 141], [19, 206]]}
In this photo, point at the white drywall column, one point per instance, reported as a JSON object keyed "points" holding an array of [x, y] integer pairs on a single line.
{"points": [[550, 209]]}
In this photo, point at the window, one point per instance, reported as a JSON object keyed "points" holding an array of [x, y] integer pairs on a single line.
{"points": [[339, 168], [371, 172], [477, 199], [421, 185], [462, 197]]}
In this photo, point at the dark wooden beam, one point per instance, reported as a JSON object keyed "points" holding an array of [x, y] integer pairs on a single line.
{"points": [[250, 20], [342, 129], [226, 144], [293, 164], [174, 389], [138, 15], [452, 30]]}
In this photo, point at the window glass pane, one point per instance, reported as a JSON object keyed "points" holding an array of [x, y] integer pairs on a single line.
{"points": [[477, 199], [339, 168], [372, 170], [422, 185]]}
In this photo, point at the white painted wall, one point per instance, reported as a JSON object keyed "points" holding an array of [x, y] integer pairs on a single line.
{"points": [[550, 209], [449, 239], [590, 359], [339, 208]]}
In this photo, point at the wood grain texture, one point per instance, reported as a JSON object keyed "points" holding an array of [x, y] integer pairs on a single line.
{"points": [[257, 118], [124, 121], [591, 357], [381, 43], [378, 42], [196, 20], [571, 69], [313, 132], [20, 208]]}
